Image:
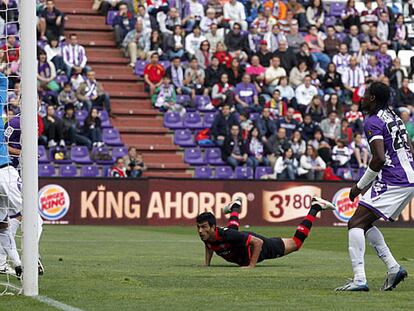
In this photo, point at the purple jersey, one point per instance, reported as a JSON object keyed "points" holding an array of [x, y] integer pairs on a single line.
{"points": [[12, 134], [398, 169]]}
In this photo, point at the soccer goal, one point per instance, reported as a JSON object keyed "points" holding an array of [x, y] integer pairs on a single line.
{"points": [[18, 149]]}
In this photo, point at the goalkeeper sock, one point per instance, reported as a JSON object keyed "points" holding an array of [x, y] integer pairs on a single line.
{"points": [[303, 230], [356, 252], [9, 246], [14, 226], [376, 240]]}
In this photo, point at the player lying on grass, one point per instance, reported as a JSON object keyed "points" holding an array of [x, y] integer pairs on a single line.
{"points": [[248, 248], [387, 187]]}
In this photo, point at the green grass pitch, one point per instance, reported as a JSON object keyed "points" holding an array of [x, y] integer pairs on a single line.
{"points": [[151, 268]]}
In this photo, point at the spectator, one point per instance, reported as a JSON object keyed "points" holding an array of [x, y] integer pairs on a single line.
{"points": [[341, 155], [74, 56], [222, 124], [204, 54], [213, 73], [333, 104], [194, 79], [53, 128], [346, 132], [294, 38], [68, 96], [359, 150], [298, 74], [396, 74], [257, 154], [235, 72], [374, 40], [235, 150], [92, 128], [304, 93], [393, 93], [52, 22], [363, 56], [54, 55], [384, 29], [405, 95], [46, 73], [286, 91], [193, 42], [276, 105], [236, 42], [382, 7], [253, 40], [341, 60], [193, 12], [245, 124], [316, 45], [256, 72], [156, 45], [210, 19], [175, 43], [288, 122], [274, 37], [265, 56], [168, 21], [350, 16], [316, 109], [136, 43], [222, 92], [276, 145], [311, 165], [297, 144], [165, 97], [214, 36], [234, 12], [118, 170], [353, 77], [308, 128], [331, 42], [332, 81], [315, 14], [12, 53], [106, 5], [265, 124], [71, 128], [273, 74], [286, 55], [91, 93], [305, 54], [221, 53], [134, 163], [246, 96], [298, 10], [354, 39], [123, 23], [374, 71], [331, 128], [217, 6], [400, 37], [176, 74], [286, 166], [153, 73], [368, 17]]}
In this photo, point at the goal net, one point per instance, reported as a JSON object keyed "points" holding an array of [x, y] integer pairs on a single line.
{"points": [[18, 149]]}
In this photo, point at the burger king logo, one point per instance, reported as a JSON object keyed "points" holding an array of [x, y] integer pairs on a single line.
{"points": [[345, 208], [54, 202]]}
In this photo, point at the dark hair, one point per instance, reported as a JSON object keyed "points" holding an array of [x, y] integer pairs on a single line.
{"points": [[132, 147], [259, 137], [117, 159], [206, 217], [73, 35], [381, 92]]}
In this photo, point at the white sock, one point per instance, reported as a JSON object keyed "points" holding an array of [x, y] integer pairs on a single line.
{"points": [[376, 239], [9, 246], [356, 252], [39, 227], [3, 258], [14, 225]]}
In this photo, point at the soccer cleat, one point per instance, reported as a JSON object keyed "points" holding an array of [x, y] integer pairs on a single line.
{"points": [[393, 279], [351, 286], [6, 269], [40, 267], [322, 204], [19, 271], [235, 204]]}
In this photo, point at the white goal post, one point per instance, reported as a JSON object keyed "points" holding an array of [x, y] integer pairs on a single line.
{"points": [[27, 18]]}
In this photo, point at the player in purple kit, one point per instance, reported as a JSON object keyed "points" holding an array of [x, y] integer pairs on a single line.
{"points": [[387, 187]]}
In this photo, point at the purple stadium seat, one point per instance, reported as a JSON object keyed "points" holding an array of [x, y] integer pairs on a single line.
{"points": [[261, 171], [213, 156], [224, 172], [41, 151], [68, 171], [59, 113], [337, 8], [330, 21], [341, 36], [183, 99], [58, 149], [81, 115], [61, 79], [244, 172], [89, 171], [344, 173], [106, 122], [110, 17], [203, 172], [119, 152], [111, 137], [165, 63], [208, 119], [253, 116], [46, 170], [172, 120], [194, 156], [102, 155], [203, 103], [11, 29], [193, 120], [80, 155], [184, 138], [140, 67], [106, 169]]}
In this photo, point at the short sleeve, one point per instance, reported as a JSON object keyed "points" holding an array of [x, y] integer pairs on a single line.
{"points": [[374, 128], [234, 236]]}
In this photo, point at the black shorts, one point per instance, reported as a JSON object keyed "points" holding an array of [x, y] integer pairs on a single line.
{"points": [[272, 248]]}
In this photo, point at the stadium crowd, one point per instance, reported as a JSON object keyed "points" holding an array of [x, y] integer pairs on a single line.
{"points": [[286, 77]]}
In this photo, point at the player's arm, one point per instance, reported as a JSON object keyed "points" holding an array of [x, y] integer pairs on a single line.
{"points": [[375, 165], [209, 255], [256, 247], [14, 151]]}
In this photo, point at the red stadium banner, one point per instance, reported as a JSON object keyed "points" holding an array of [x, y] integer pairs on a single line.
{"points": [[162, 202]]}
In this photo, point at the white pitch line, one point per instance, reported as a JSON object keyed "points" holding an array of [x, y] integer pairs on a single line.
{"points": [[55, 304]]}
